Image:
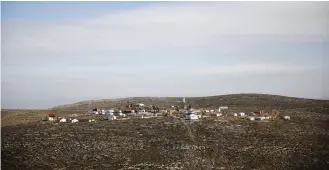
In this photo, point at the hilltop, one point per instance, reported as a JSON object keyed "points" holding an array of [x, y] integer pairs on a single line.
{"points": [[248, 100], [224, 142]]}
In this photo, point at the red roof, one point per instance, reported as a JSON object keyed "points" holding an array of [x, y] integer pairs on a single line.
{"points": [[52, 115], [259, 112]]}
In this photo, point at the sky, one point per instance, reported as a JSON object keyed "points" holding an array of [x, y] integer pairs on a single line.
{"points": [[55, 53]]}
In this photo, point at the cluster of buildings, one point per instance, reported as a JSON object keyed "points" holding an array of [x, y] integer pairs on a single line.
{"points": [[53, 117], [138, 108], [188, 113]]}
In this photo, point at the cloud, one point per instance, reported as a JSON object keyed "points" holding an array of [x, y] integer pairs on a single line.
{"points": [[177, 27], [167, 49]]}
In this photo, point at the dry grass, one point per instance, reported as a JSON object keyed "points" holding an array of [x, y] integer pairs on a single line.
{"points": [[169, 143]]}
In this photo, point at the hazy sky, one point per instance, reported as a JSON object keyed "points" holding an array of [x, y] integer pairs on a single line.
{"points": [[62, 52]]}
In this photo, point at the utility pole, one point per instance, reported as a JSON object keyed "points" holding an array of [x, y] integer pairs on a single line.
{"points": [[184, 103]]}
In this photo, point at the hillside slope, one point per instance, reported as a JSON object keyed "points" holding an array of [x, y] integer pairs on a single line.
{"points": [[261, 101]]}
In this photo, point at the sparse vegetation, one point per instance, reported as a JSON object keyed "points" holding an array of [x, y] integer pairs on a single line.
{"points": [[170, 143], [247, 101]]}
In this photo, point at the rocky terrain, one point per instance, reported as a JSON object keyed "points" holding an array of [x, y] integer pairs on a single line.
{"points": [[169, 143], [172, 143], [239, 100]]}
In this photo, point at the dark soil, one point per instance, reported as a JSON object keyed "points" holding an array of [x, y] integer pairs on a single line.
{"points": [[171, 143]]}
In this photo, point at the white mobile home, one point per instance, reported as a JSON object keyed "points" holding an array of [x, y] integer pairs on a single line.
{"points": [[192, 116], [118, 113], [112, 117], [63, 120], [75, 121]]}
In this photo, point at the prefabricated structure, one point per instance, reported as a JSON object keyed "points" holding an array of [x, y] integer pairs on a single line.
{"points": [[128, 111], [94, 112], [218, 114], [141, 111], [286, 117], [51, 117], [118, 113], [192, 116], [112, 117], [223, 107], [63, 120], [74, 120], [260, 118], [109, 112], [140, 104], [259, 112], [241, 114], [197, 111], [251, 118]]}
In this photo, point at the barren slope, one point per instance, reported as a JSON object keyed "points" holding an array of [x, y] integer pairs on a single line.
{"points": [[252, 101]]}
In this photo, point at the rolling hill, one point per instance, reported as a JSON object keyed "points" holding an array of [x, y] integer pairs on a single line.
{"points": [[249, 100]]}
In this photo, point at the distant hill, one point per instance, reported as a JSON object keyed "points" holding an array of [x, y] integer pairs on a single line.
{"points": [[233, 100]]}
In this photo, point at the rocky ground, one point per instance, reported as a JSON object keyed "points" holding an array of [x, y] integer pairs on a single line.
{"points": [[264, 101], [171, 143]]}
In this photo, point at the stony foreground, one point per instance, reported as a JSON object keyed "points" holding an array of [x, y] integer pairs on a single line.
{"points": [[170, 143]]}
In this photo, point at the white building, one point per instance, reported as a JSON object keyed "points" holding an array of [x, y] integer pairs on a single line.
{"points": [[51, 118], [141, 111], [218, 114], [118, 113], [75, 121], [251, 118], [192, 116], [63, 120], [140, 104], [242, 114], [197, 111], [260, 118], [287, 117], [112, 117]]}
